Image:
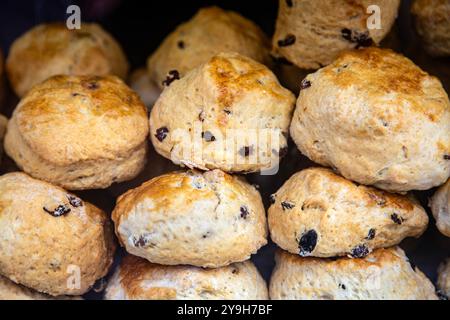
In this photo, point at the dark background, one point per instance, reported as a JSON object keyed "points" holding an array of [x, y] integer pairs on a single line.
{"points": [[140, 26]]}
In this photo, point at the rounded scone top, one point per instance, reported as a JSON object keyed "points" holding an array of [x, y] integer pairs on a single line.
{"points": [[52, 49], [230, 113], [432, 19], [138, 279], [378, 119], [311, 34], [318, 213], [440, 207], [72, 128], [443, 281], [206, 220], [50, 237], [211, 31], [386, 274]]}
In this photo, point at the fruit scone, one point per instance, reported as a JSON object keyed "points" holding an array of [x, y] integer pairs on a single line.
{"points": [[318, 213], [206, 219], [432, 20], [50, 240], [211, 31], [138, 279], [312, 33], [230, 113], [377, 119], [440, 207], [79, 132], [52, 49], [443, 282], [386, 274]]}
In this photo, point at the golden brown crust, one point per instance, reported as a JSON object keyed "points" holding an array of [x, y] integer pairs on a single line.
{"points": [[52, 49], [56, 121], [211, 31], [49, 235], [204, 219], [138, 279]]}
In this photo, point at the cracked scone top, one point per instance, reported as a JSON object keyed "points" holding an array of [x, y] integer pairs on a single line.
{"points": [[378, 119], [211, 31], [138, 279], [386, 274], [440, 206], [443, 281], [312, 33], [48, 236], [206, 220], [52, 49], [318, 213], [230, 113], [79, 132], [432, 19]]}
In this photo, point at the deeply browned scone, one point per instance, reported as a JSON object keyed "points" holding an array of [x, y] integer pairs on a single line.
{"points": [[138, 279], [211, 31], [79, 132], [312, 33], [206, 219], [378, 119], [51, 241], [318, 213], [52, 49], [386, 274]]}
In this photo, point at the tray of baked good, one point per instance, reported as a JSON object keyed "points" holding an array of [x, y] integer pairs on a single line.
{"points": [[107, 206]]}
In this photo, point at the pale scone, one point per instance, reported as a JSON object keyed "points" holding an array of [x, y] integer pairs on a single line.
{"points": [[386, 274], [230, 113], [206, 219], [51, 241], [312, 33], [211, 31], [138, 279], [443, 282], [432, 20], [52, 49], [79, 132], [376, 118], [318, 213], [440, 207]]}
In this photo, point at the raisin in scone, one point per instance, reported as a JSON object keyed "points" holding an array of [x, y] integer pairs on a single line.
{"points": [[206, 219], [440, 206], [230, 113], [52, 49], [138, 279], [318, 213], [79, 132], [211, 31], [50, 240], [443, 282], [312, 33], [378, 119], [386, 274], [432, 20]]}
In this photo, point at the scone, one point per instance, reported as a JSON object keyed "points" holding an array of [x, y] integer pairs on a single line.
{"points": [[312, 33], [138, 279], [432, 19], [386, 274], [52, 49], [140, 82], [443, 282], [50, 240], [206, 219], [318, 213], [79, 132], [230, 113], [211, 31], [376, 118], [440, 206]]}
